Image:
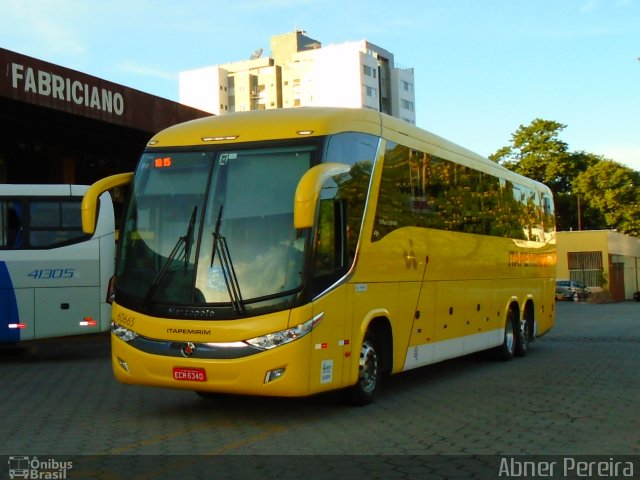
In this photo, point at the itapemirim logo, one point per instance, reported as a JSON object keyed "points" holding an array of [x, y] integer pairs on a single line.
{"points": [[34, 468]]}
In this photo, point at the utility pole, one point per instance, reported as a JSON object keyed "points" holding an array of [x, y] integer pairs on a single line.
{"points": [[579, 215]]}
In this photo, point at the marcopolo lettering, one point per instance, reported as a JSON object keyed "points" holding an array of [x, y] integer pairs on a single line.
{"points": [[191, 312], [62, 88]]}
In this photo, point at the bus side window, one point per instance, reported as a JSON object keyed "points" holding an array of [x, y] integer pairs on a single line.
{"points": [[330, 260], [55, 223], [15, 228], [11, 225]]}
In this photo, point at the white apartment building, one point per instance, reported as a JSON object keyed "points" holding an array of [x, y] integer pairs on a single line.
{"points": [[300, 72]]}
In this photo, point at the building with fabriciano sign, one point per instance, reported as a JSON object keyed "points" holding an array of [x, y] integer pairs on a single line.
{"points": [[63, 126]]}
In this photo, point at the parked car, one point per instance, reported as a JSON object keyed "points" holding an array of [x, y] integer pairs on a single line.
{"points": [[570, 290]]}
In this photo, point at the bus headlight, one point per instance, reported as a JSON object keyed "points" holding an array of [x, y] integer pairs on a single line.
{"points": [[272, 340], [123, 333]]}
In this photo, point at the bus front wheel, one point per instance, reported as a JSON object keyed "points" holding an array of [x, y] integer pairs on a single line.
{"points": [[507, 350], [369, 374]]}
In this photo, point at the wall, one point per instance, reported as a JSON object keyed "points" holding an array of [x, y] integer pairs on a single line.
{"points": [[620, 258]]}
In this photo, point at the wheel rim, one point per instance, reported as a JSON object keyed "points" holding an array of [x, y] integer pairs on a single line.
{"points": [[508, 336], [368, 367]]}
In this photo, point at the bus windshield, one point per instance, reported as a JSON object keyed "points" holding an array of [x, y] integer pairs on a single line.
{"points": [[206, 227]]}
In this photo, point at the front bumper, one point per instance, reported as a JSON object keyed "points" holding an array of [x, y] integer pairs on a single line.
{"points": [[241, 375]]}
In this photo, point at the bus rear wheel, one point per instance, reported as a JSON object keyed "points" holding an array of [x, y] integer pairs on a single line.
{"points": [[523, 338], [369, 376]]}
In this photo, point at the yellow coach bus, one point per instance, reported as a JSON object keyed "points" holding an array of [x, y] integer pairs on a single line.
{"points": [[294, 251]]}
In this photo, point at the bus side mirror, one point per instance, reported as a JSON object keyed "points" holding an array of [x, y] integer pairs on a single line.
{"points": [[308, 191], [90, 199]]}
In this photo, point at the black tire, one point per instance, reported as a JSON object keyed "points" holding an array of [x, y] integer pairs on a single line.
{"points": [[523, 337], [507, 350], [369, 376]]}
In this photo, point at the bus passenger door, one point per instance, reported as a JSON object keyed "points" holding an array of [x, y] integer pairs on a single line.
{"points": [[329, 340], [330, 263]]}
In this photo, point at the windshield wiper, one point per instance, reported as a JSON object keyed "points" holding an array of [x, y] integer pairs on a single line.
{"points": [[183, 242], [188, 238], [221, 248]]}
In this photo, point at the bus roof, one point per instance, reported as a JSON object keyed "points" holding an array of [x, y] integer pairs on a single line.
{"points": [[259, 125], [262, 125], [43, 190]]}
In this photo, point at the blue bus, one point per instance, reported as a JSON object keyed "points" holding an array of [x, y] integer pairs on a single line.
{"points": [[53, 276]]}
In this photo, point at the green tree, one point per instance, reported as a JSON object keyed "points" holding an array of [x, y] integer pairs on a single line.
{"points": [[613, 191], [537, 152], [572, 208], [590, 191]]}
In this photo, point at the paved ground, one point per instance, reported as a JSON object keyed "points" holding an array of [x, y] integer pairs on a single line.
{"points": [[576, 393]]}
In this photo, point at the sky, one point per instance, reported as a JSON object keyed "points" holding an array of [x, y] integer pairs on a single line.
{"points": [[482, 68]]}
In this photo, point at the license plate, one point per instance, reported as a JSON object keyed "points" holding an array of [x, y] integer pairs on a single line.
{"points": [[189, 374]]}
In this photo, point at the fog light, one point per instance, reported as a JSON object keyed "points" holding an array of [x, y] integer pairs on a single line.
{"points": [[123, 364], [274, 374]]}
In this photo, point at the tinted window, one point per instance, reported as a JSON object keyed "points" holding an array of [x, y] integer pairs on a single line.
{"points": [[423, 190], [40, 223]]}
